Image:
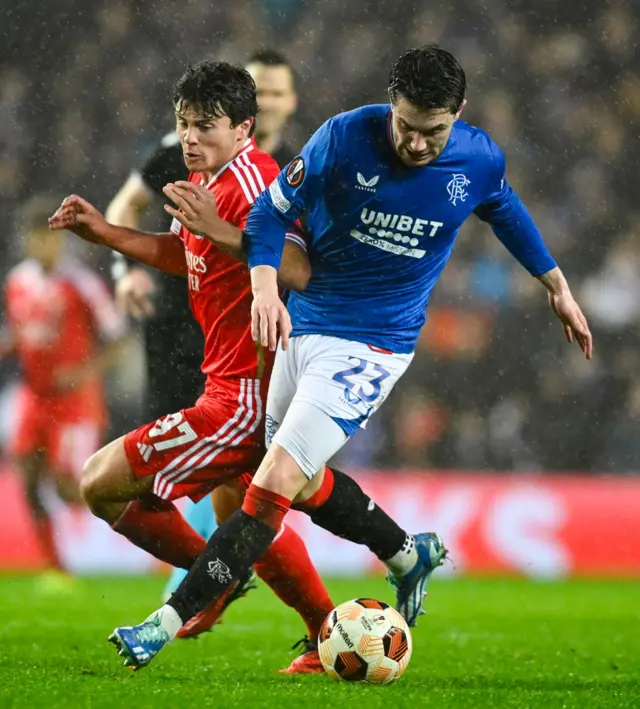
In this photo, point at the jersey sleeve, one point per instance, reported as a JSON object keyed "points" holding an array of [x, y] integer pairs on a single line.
{"points": [[108, 320], [298, 189], [511, 222], [164, 164]]}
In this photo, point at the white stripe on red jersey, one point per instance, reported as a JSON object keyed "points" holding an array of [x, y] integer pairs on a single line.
{"points": [[250, 196], [243, 423]]}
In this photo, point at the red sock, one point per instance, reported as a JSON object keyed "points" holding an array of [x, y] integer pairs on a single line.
{"points": [[46, 537], [157, 526], [266, 506], [288, 570], [320, 496]]}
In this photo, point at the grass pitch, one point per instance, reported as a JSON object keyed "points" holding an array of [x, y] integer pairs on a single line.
{"points": [[485, 643]]}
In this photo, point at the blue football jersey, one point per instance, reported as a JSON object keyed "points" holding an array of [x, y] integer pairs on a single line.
{"points": [[379, 233]]}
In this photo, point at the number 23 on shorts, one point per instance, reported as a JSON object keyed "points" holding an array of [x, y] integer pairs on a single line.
{"points": [[362, 382]]}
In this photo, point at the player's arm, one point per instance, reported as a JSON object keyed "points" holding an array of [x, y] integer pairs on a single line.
{"points": [[132, 200], [514, 226], [196, 210], [134, 284], [162, 251], [298, 188]]}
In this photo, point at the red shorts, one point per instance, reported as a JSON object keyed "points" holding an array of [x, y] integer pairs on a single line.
{"points": [[194, 450], [66, 436]]}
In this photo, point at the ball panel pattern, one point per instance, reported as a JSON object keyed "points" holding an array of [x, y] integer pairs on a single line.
{"points": [[350, 666], [371, 603]]}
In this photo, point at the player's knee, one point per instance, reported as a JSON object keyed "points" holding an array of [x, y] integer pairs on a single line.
{"points": [[280, 473], [94, 470], [68, 489]]}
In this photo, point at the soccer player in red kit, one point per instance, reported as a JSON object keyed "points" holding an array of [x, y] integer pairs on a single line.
{"points": [[132, 482], [56, 312]]}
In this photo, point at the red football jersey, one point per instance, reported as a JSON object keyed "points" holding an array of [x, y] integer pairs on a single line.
{"points": [[219, 285], [56, 318]]}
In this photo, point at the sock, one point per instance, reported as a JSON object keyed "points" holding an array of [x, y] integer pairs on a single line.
{"points": [[321, 495], [46, 537], [290, 573], [404, 560], [348, 513], [169, 620], [267, 506], [157, 526], [234, 547]]}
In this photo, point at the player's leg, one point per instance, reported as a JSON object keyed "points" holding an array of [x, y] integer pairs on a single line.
{"points": [[32, 468], [293, 469], [285, 567], [71, 444], [128, 504], [200, 516], [28, 451], [242, 539]]}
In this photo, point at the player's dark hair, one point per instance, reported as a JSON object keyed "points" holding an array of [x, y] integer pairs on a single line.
{"points": [[269, 57], [217, 89], [428, 77], [35, 212]]}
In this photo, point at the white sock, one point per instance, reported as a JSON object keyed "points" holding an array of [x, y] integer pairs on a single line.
{"points": [[169, 620], [403, 561]]}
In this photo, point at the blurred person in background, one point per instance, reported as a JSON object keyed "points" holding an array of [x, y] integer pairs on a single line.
{"points": [[63, 326], [173, 343]]}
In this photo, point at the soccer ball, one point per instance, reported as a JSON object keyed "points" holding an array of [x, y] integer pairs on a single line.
{"points": [[365, 640]]}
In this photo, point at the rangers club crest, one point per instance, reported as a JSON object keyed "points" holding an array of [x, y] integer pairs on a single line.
{"points": [[456, 188]]}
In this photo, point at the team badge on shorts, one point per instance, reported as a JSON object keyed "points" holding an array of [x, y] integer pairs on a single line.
{"points": [[296, 172]]}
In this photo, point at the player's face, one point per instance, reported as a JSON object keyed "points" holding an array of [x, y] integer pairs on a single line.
{"points": [[420, 135], [276, 98], [45, 246], [208, 143]]}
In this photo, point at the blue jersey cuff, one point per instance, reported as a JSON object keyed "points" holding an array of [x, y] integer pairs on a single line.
{"points": [[263, 259]]}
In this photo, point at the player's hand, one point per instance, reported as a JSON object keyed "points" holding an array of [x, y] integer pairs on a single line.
{"points": [[134, 291], [80, 217], [573, 321], [269, 316], [196, 207]]}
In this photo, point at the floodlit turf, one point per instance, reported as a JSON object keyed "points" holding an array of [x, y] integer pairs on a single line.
{"points": [[488, 643]]}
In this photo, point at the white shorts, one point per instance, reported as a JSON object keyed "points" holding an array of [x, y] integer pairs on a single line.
{"points": [[322, 390]]}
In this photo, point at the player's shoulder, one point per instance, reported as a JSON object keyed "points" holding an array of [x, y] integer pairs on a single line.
{"points": [[475, 143], [249, 174], [253, 156]]}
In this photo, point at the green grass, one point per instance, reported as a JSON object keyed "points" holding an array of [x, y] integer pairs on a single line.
{"points": [[485, 643]]}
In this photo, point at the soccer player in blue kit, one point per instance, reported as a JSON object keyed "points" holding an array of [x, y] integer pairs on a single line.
{"points": [[382, 192]]}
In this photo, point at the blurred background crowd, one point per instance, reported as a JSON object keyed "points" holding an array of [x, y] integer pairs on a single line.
{"points": [[85, 93]]}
